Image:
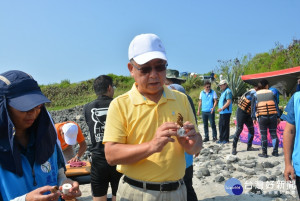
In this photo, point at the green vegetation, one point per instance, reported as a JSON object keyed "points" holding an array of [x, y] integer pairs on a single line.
{"points": [[276, 59], [67, 95]]}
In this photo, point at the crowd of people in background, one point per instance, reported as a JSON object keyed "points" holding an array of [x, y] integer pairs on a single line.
{"points": [[143, 142]]}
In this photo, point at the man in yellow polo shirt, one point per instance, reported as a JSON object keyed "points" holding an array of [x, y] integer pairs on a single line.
{"points": [[141, 131]]}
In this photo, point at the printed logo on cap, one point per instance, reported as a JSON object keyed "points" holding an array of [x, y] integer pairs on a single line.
{"points": [[233, 187]]}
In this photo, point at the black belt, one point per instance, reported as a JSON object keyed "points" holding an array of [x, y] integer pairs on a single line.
{"points": [[172, 186]]}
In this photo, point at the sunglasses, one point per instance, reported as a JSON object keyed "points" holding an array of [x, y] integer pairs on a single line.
{"points": [[148, 69]]}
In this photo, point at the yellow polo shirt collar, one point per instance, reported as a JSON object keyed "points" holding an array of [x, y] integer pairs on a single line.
{"points": [[138, 99]]}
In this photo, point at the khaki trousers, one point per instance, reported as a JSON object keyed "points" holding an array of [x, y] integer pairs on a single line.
{"points": [[126, 192]]}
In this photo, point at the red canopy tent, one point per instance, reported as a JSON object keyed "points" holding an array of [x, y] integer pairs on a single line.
{"points": [[284, 80]]}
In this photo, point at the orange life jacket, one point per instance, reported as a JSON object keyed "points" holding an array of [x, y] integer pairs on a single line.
{"points": [[245, 104], [265, 103]]}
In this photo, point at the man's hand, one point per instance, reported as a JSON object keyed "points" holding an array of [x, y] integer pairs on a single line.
{"points": [[163, 136], [75, 159], [38, 194], [289, 173], [220, 109], [212, 110], [192, 141], [198, 113]]}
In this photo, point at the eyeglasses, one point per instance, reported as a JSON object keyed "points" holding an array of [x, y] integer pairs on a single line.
{"points": [[148, 69], [208, 86]]}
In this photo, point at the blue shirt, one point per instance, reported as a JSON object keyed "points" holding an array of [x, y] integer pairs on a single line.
{"points": [[188, 160], [291, 114], [225, 95], [36, 176], [207, 100], [276, 93]]}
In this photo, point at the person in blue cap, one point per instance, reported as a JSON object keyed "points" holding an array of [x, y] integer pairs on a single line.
{"points": [[31, 162]]}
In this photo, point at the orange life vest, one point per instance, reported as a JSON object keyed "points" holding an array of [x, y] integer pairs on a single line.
{"points": [[265, 103], [244, 103]]}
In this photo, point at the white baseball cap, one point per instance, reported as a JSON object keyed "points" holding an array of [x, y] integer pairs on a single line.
{"points": [[70, 131], [145, 47], [223, 82]]}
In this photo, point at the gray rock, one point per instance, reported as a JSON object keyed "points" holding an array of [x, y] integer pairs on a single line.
{"points": [[219, 179], [272, 178], [239, 177], [212, 163], [205, 172], [250, 172], [231, 159], [250, 157], [219, 162], [199, 175], [263, 178], [202, 159], [273, 194], [250, 165], [267, 165], [240, 169], [226, 174], [275, 163], [281, 178], [213, 157], [259, 169], [278, 173], [230, 167], [205, 150], [248, 177], [259, 165], [240, 163], [205, 154]]}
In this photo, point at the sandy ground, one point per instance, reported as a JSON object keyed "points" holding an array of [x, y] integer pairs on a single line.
{"points": [[208, 190]]}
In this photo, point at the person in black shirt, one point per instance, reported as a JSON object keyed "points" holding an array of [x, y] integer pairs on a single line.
{"points": [[95, 115]]}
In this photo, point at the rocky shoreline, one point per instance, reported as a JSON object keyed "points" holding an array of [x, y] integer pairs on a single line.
{"points": [[260, 178]]}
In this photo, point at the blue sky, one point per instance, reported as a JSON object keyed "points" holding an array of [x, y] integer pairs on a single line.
{"points": [[54, 40]]}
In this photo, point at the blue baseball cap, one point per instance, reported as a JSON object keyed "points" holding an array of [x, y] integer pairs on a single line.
{"points": [[21, 90], [177, 87]]}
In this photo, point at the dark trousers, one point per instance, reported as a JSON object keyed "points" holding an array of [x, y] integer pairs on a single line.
{"points": [[268, 122], [242, 118], [298, 185], [102, 174], [224, 126], [188, 180], [211, 117]]}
